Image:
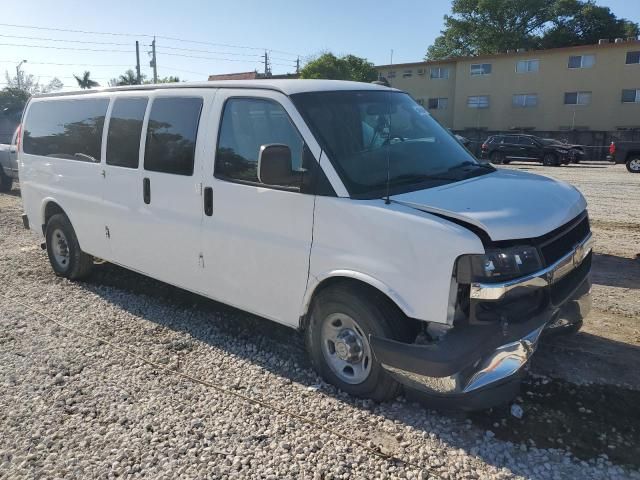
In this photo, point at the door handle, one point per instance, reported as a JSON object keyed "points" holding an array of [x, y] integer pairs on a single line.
{"points": [[146, 191], [208, 201]]}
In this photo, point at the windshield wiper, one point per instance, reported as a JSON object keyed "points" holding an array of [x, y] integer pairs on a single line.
{"points": [[415, 177], [469, 163]]}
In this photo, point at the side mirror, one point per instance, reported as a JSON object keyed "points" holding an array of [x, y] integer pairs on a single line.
{"points": [[274, 166]]}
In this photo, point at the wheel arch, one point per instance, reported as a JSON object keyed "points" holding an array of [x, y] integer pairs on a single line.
{"points": [[351, 277], [49, 208]]}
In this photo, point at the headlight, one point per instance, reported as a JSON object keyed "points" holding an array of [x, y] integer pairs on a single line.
{"points": [[498, 265]]}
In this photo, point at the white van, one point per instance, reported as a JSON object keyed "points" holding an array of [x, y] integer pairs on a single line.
{"points": [[338, 208]]}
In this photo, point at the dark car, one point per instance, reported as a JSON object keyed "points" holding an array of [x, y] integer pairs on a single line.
{"points": [[576, 152], [505, 148], [627, 153]]}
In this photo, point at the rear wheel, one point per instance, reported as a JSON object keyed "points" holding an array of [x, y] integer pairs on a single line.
{"points": [[341, 320], [550, 160], [6, 182], [633, 165], [63, 249], [497, 158]]}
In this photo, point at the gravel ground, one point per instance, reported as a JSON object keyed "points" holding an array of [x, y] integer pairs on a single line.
{"points": [[74, 407]]}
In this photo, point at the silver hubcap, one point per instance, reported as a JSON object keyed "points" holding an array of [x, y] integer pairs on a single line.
{"points": [[60, 248], [345, 348], [635, 164]]}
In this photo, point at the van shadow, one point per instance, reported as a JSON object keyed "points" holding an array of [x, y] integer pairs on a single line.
{"points": [[615, 271], [280, 350]]}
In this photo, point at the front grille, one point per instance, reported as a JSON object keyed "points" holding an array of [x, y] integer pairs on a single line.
{"points": [[563, 240], [563, 288]]}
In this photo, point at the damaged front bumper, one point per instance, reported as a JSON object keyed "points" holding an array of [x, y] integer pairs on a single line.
{"points": [[479, 365]]}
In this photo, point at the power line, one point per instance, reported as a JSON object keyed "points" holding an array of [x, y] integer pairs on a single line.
{"points": [[70, 64], [175, 39], [206, 58], [210, 51], [64, 41], [65, 48]]}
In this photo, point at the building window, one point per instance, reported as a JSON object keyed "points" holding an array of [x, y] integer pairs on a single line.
{"points": [[525, 100], [631, 96], [582, 61], [420, 101], [480, 69], [391, 74], [478, 101], [577, 98], [421, 71], [438, 103], [407, 73], [526, 66], [633, 58], [439, 72]]}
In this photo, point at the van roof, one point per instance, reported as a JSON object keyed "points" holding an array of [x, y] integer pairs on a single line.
{"points": [[288, 87]]}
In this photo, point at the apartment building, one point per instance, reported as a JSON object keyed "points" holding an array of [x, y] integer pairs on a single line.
{"points": [[593, 87]]}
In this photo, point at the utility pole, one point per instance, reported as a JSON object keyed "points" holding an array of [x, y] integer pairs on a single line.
{"points": [[18, 74], [154, 62], [266, 64], [138, 79], [391, 60], [298, 65]]}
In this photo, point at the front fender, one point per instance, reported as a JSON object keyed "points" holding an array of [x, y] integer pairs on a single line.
{"points": [[316, 281]]}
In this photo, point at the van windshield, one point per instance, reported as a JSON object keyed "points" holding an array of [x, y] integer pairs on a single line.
{"points": [[375, 136]]}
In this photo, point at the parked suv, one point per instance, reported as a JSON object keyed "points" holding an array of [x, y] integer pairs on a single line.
{"points": [[505, 148], [342, 209], [627, 153]]}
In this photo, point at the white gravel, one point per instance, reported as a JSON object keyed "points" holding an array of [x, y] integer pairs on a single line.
{"points": [[76, 408]]}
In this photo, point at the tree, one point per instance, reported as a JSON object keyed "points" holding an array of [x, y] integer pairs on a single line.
{"points": [[30, 85], [348, 67], [478, 27], [12, 101], [85, 81], [128, 78], [169, 79]]}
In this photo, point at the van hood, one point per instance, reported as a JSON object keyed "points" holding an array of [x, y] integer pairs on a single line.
{"points": [[506, 204]]}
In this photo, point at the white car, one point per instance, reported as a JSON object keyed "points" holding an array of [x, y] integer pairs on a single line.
{"points": [[338, 208], [8, 163]]}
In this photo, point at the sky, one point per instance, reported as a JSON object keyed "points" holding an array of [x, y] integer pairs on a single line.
{"points": [[232, 34]]}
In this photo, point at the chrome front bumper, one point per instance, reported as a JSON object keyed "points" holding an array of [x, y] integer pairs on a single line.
{"points": [[540, 279]]}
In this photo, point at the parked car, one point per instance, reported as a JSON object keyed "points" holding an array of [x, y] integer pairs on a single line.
{"points": [[627, 153], [576, 152], [505, 148], [341, 209], [8, 164]]}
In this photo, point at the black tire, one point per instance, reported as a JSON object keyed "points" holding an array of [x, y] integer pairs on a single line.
{"points": [[6, 182], [550, 160], [497, 158], [375, 315], [78, 264], [633, 165]]}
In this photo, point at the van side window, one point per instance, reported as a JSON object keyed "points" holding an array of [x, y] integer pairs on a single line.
{"points": [[69, 129], [171, 135], [247, 124], [125, 128]]}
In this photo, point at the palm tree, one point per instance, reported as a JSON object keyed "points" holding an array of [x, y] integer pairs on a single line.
{"points": [[85, 81], [128, 78]]}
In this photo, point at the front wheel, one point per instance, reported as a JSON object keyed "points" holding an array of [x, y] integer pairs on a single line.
{"points": [[550, 160], [341, 320], [633, 165], [497, 158], [63, 249]]}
